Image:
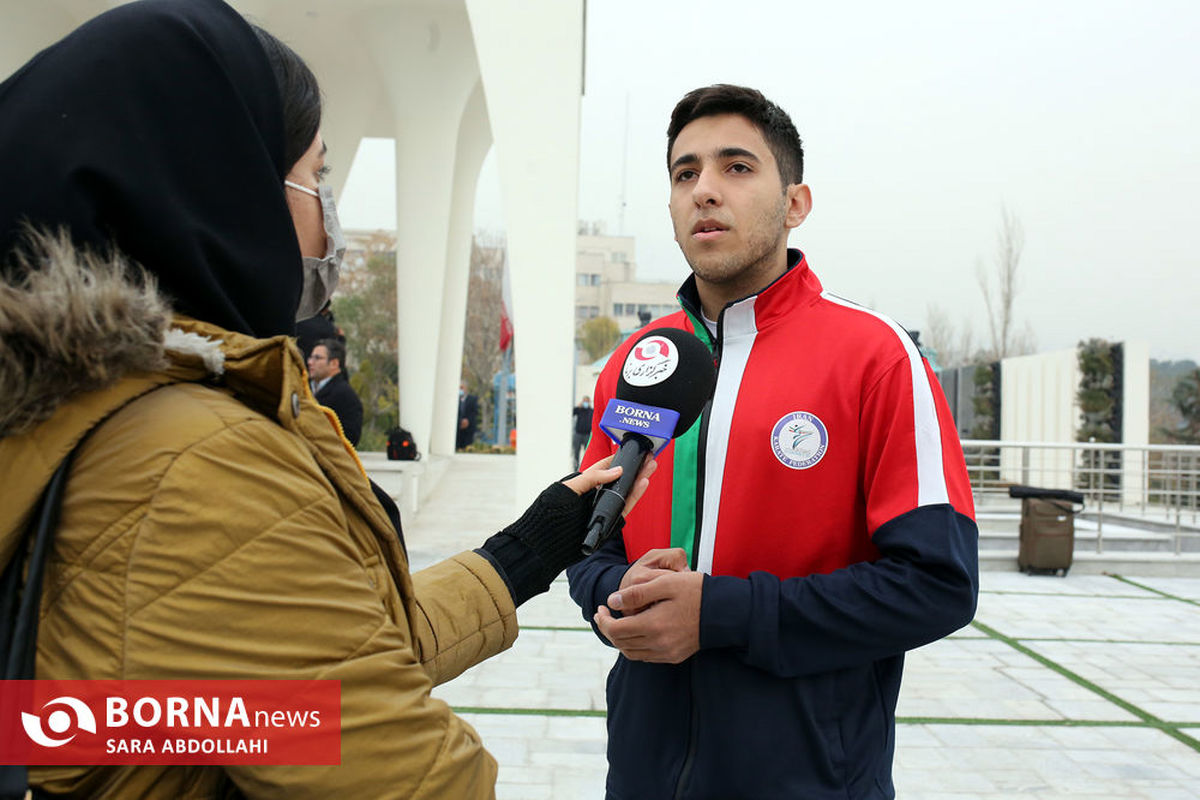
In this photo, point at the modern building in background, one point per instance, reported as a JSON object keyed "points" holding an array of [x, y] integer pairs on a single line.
{"points": [[606, 283], [1033, 399]]}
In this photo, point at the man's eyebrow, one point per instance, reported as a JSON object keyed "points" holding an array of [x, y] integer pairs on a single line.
{"points": [[686, 158], [737, 152], [324, 148], [723, 153]]}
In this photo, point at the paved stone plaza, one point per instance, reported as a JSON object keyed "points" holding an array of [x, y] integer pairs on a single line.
{"points": [[1084, 687]]}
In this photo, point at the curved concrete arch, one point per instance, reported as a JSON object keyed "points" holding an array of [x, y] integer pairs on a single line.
{"points": [[474, 141], [530, 58], [436, 75], [427, 61]]}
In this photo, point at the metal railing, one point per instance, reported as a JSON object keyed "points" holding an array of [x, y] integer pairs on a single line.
{"points": [[1157, 484]]}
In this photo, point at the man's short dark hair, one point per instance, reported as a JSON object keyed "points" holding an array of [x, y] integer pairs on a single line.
{"points": [[334, 350], [772, 122]]}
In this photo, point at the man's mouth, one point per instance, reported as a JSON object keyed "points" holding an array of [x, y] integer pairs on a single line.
{"points": [[707, 229]]}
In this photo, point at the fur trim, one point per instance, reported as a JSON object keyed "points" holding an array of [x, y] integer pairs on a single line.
{"points": [[71, 321], [193, 344]]}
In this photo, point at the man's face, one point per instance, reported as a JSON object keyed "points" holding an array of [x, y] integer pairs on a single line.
{"points": [[729, 209], [319, 366]]}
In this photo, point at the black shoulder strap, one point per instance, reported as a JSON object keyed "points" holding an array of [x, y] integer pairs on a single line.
{"points": [[20, 602]]}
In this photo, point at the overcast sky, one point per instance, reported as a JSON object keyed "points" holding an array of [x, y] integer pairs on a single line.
{"points": [[921, 121]]}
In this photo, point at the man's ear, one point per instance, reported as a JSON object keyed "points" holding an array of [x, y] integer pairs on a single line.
{"points": [[799, 203]]}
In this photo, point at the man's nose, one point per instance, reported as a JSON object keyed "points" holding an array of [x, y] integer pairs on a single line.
{"points": [[706, 191]]}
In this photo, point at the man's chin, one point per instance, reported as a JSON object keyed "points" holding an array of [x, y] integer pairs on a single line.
{"points": [[714, 269]]}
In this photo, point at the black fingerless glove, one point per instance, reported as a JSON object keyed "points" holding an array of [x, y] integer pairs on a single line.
{"points": [[547, 539]]}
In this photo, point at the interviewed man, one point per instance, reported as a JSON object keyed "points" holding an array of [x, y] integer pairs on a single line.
{"points": [[332, 390], [813, 525]]}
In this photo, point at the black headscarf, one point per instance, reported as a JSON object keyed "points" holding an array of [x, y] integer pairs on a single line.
{"points": [[158, 127]]}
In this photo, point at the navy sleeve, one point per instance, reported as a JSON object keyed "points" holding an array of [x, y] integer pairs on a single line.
{"points": [[923, 587], [596, 577]]}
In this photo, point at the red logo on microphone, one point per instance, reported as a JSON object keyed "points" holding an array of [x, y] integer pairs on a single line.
{"points": [[652, 348], [651, 361]]}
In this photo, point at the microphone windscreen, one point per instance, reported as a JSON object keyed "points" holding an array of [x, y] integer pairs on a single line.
{"points": [[669, 368]]}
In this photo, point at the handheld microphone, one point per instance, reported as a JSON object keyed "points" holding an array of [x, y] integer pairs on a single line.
{"points": [[665, 382]]}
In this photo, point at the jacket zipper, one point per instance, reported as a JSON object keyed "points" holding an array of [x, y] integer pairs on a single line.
{"points": [[693, 729], [700, 447], [694, 721], [705, 415]]}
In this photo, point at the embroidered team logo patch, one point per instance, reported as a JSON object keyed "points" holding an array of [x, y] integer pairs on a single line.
{"points": [[799, 440]]}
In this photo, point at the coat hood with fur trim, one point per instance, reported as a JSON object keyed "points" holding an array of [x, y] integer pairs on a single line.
{"points": [[80, 335], [74, 322]]}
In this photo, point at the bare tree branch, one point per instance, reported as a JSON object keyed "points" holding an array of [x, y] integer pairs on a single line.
{"points": [[1010, 243], [985, 286], [482, 357], [1000, 300], [953, 344]]}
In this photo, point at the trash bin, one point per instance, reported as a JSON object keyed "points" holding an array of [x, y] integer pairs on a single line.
{"points": [[1047, 539]]}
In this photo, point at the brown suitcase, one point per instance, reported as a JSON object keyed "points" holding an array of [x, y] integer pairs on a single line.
{"points": [[1047, 537]]}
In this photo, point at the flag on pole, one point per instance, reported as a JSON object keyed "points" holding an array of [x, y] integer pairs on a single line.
{"points": [[506, 325]]}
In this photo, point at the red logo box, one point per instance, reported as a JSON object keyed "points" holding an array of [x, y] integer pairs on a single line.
{"points": [[170, 722]]}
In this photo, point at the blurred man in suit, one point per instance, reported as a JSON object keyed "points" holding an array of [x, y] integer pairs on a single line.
{"points": [[330, 387]]}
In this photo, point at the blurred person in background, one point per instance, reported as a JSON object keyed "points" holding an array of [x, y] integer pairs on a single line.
{"points": [[331, 389], [581, 428], [468, 418]]}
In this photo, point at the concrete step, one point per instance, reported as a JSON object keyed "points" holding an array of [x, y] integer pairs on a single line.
{"points": [[1000, 529], [1120, 543], [1111, 541], [1185, 565]]}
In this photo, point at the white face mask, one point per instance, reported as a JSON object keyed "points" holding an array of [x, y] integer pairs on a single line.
{"points": [[321, 274]]}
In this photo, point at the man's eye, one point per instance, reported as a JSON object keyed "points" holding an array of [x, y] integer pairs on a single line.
{"points": [[684, 175], [739, 167], [323, 173]]}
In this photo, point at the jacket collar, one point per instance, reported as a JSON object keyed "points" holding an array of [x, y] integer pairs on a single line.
{"points": [[798, 286], [102, 339], [267, 375]]}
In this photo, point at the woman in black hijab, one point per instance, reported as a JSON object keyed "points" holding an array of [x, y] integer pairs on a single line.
{"points": [[161, 170], [157, 127]]}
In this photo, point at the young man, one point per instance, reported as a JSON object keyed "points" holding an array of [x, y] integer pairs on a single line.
{"points": [[811, 527], [330, 387]]}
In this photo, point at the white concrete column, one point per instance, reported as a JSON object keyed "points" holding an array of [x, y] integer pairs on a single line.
{"points": [[1135, 418], [531, 60], [474, 139], [426, 61]]}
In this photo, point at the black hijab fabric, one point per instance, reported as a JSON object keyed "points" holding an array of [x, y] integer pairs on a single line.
{"points": [[158, 126]]}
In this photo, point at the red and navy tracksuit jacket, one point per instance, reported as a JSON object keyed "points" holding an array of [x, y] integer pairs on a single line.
{"points": [[824, 494]]}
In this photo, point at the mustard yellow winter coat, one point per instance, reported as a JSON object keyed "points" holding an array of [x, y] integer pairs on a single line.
{"points": [[216, 525]]}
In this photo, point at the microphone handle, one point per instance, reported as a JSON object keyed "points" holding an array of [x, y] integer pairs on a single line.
{"points": [[611, 501]]}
